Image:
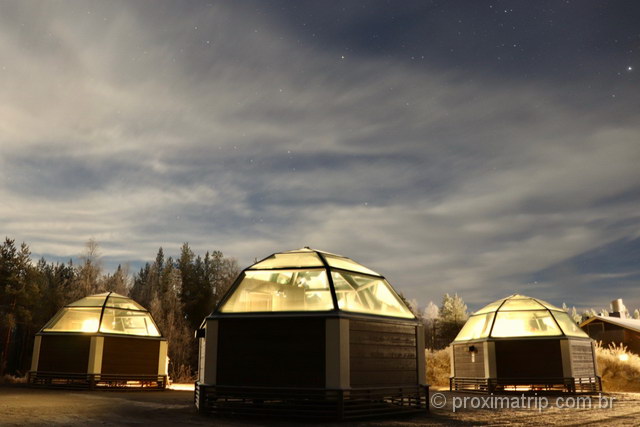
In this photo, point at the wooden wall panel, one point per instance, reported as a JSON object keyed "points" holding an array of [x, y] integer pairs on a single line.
{"points": [[382, 353], [582, 364], [539, 358], [469, 364], [130, 356], [272, 352], [64, 353]]}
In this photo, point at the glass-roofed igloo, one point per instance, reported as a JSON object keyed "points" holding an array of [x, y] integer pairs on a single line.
{"points": [[308, 280], [523, 342], [309, 319], [100, 340]]}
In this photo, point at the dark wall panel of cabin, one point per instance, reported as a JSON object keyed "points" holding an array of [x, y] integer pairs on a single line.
{"points": [[595, 330], [382, 353], [529, 359], [469, 364], [582, 359], [609, 333], [632, 341], [130, 356], [285, 352], [64, 353]]}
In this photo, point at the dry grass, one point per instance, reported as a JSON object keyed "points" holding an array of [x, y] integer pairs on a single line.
{"points": [[619, 369], [182, 374], [438, 367], [10, 379]]}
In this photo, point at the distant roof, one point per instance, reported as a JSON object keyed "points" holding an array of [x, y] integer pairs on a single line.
{"points": [[633, 324], [519, 316]]}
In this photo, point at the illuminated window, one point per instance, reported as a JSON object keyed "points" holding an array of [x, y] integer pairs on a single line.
{"points": [[119, 315], [519, 316], [366, 294], [303, 258], [521, 304], [75, 319], [490, 307], [477, 326], [569, 327], [347, 264], [524, 324], [281, 290], [298, 281]]}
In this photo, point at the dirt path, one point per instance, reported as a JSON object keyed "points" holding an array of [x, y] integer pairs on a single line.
{"points": [[21, 406]]}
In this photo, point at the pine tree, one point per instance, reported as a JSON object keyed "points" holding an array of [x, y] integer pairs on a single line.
{"points": [[118, 282], [167, 310], [431, 319], [453, 309], [431, 311], [575, 316], [89, 272], [18, 292], [453, 315]]}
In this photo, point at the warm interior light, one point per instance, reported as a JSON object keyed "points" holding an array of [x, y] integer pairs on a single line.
{"points": [[90, 325], [623, 357]]}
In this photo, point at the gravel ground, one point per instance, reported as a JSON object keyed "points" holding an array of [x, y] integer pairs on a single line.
{"points": [[21, 406]]}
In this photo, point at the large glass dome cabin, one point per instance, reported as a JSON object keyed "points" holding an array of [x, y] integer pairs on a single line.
{"points": [[308, 333], [104, 340], [523, 343]]}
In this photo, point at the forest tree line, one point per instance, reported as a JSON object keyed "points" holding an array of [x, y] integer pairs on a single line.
{"points": [[179, 293]]}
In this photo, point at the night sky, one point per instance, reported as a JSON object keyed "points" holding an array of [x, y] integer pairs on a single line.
{"points": [[483, 148]]}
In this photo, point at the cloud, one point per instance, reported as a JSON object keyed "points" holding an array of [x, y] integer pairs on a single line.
{"points": [[144, 127]]}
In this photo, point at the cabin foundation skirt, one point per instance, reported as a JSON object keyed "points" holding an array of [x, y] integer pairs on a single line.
{"points": [[310, 402], [96, 381], [570, 385]]}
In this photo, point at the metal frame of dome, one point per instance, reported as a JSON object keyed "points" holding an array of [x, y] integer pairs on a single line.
{"points": [[329, 263], [539, 348], [151, 330], [318, 359], [561, 320], [84, 353]]}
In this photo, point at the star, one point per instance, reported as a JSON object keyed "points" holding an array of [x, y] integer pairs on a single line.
{"points": [[629, 68]]}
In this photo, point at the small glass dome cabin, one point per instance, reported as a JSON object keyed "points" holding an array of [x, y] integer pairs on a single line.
{"points": [[103, 340], [523, 343], [308, 333]]}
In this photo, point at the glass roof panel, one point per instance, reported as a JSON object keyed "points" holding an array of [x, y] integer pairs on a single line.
{"points": [[490, 307], [525, 324], [521, 304], [280, 290], [569, 327], [75, 319], [547, 305], [478, 326], [121, 315], [348, 264], [92, 301], [365, 294], [290, 259], [122, 302], [116, 321]]}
